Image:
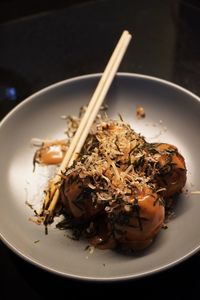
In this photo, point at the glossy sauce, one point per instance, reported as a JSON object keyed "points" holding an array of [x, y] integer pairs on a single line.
{"points": [[103, 242], [103, 239], [51, 153]]}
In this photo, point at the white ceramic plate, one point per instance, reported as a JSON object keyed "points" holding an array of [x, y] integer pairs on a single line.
{"points": [[172, 115]]}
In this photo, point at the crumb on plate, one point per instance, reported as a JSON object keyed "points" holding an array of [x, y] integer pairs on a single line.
{"points": [[140, 113]]}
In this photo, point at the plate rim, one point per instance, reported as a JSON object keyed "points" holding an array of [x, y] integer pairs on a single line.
{"points": [[90, 278], [97, 75]]}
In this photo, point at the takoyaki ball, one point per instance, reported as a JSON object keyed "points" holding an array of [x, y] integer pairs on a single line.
{"points": [[171, 169], [76, 197], [135, 224]]}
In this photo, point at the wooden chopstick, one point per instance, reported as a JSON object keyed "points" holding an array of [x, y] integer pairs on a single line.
{"points": [[95, 103], [104, 84]]}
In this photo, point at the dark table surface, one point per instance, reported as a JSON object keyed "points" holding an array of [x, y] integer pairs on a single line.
{"points": [[55, 44]]}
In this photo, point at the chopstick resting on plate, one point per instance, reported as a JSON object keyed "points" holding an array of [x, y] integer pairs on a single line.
{"points": [[53, 192]]}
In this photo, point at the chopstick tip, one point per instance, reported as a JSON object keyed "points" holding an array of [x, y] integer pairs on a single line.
{"points": [[127, 32]]}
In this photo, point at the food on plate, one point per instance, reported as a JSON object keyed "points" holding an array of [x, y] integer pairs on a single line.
{"points": [[50, 152], [140, 112], [116, 190], [137, 224], [170, 169]]}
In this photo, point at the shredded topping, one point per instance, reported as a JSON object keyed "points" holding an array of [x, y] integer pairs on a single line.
{"points": [[110, 160]]}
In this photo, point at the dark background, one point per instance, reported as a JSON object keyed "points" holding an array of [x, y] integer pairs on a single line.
{"points": [[42, 42], [15, 9]]}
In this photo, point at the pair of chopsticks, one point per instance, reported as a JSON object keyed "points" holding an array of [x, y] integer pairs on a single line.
{"points": [[52, 196]]}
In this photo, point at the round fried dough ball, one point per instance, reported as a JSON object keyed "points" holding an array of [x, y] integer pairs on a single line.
{"points": [[77, 198], [136, 224], [171, 169]]}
